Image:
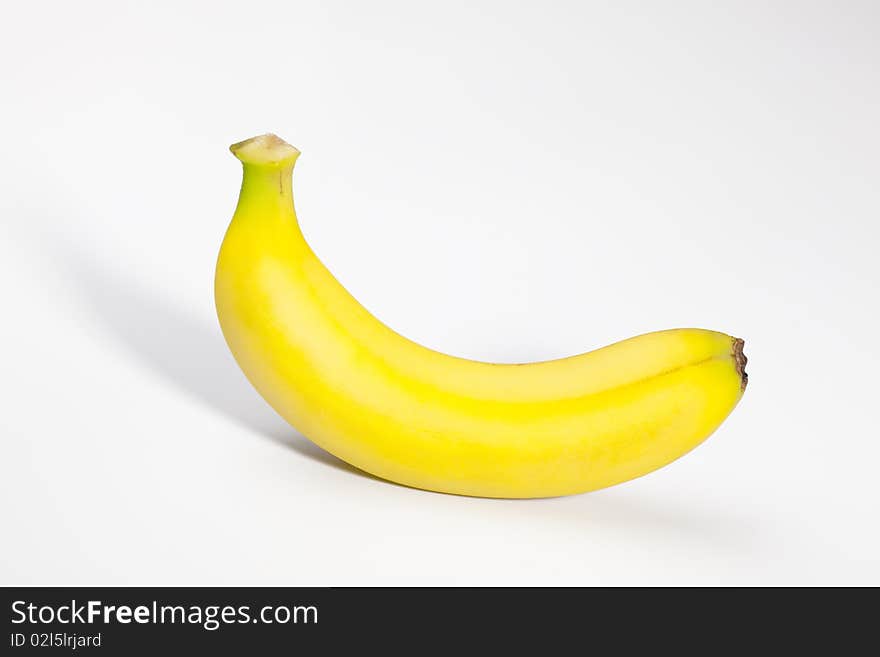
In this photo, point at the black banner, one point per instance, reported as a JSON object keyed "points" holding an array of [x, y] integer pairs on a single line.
{"points": [[243, 620]]}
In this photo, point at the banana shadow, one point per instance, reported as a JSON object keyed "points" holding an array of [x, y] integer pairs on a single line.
{"points": [[176, 343], [188, 352]]}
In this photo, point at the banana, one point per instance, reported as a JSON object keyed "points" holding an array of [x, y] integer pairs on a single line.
{"points": [[421, 418]]}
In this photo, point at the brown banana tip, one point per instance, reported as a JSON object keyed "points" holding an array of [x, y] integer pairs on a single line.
{"points": [[740, 360]]}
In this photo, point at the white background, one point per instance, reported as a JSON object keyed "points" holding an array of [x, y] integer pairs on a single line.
{"points": [[500, 180]]}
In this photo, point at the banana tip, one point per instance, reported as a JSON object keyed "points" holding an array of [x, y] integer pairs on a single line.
{"points": [[740, 360]]}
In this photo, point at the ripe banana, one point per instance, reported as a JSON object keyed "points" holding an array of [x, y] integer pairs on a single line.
{"points": [[418, 417]]}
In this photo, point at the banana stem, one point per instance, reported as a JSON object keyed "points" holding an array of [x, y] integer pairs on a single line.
{"points": [[266, 150], [268, 172]]}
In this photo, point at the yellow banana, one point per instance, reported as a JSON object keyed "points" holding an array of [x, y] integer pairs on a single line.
{"points": [[418, 417]]}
